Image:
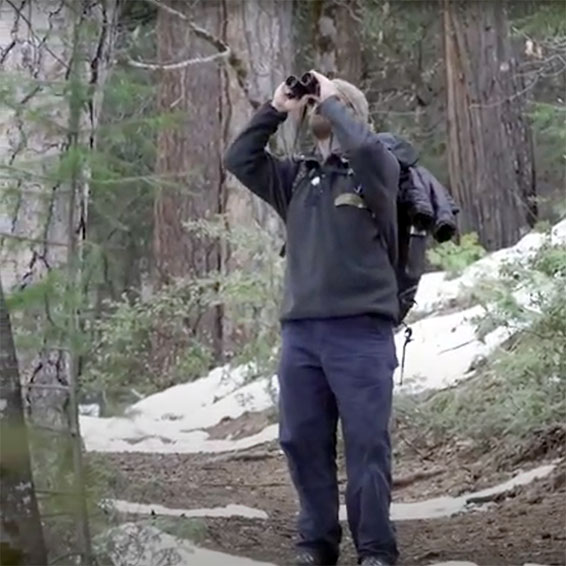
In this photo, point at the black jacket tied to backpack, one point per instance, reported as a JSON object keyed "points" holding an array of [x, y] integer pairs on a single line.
{"points": [[341, 216], [424, 208], [426, 202]]}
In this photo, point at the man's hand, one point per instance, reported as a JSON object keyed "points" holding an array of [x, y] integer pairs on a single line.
{"points": [[283, 102], [327, 87]]}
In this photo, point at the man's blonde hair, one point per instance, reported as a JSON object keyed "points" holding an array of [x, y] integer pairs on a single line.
{"points": [[354, 98]]}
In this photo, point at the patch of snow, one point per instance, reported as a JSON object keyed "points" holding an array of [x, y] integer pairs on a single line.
{"points": [[434, 508], [558, 233], [205, 402], [436, 291], [443, 349], [144, 545], [172, 421], [522, 478], [140, 434], [90, 409], [439, 507], [230, 510]]}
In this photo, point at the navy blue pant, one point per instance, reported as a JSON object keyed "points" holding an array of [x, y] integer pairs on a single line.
{"points": [[339, 368]]}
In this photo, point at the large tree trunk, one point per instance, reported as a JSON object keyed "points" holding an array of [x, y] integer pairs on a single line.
{"points": [[260, 32], [216, 101], [327, 38], [36, 41], [21, 533], [489, 139], [55, 55], [189, 161]]}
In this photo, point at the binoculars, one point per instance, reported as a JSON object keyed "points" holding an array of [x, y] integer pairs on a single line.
{"points": [[307, 84]]}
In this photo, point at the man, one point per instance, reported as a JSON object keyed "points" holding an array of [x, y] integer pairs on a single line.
{"points": [[339, 310]]}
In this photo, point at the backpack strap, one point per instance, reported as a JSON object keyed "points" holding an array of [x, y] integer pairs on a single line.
{"points": [[305, 170]]}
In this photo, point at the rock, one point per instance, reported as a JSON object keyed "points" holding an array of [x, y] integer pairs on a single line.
{"points": [[534, 497], [558, 480]]}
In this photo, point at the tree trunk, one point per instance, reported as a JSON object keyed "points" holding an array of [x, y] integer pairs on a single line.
{"points": [[216, 101], [327, 38], [36, 46], [260, 32], [189, 161], [490, 145], [55, 55], [338, 50], [21, 533]]}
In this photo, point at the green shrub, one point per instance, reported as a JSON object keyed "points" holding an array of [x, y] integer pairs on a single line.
{"points": [[125, 350], [153, 343], [522, 388], [454, 258]]}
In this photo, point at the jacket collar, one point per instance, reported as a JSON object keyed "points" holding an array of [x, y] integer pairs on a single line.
{"points": [[314, 159]]}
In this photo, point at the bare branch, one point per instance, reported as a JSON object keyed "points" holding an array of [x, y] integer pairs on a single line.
{"points": [[225, 52], [167, 9], [223, 48], [198, 31], [64, 556], [180, 64], [47, 385], [55, 492], [41, 41]]}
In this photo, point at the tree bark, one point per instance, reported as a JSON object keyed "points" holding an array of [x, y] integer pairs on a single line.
{"points": [[189, 161], [490, 144], [35, 50], [260, 31], [21, 532], [338, 50], [55, 56], [216, 100]]}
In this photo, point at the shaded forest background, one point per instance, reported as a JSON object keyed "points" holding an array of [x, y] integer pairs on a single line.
{"points": [[402, 54], [131, 261]]}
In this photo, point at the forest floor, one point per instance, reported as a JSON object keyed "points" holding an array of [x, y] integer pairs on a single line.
{"points": [[526, 525]]}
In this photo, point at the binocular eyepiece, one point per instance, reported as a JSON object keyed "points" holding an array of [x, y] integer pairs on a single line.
{"points": [[307, 84]]}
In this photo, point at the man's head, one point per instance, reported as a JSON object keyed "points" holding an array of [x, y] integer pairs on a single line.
{"points": [[352, 97]]}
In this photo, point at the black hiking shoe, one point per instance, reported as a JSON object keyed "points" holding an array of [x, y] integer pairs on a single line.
{"points": [[312, 558], [373, 561]]}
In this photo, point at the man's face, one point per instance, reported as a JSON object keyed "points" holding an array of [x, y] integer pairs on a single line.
{"points": [[319, 126]]}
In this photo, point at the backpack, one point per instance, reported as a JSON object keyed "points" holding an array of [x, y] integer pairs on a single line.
{"points": [[424, 209]]}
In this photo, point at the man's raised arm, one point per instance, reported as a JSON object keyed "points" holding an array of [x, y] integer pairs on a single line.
{"points": [[247, 158]]}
